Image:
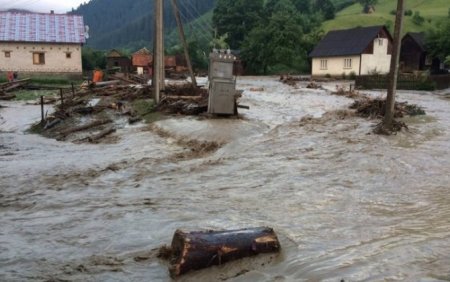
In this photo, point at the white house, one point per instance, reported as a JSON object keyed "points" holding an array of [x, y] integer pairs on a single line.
{"points": [[36, 43], [359, 51]]}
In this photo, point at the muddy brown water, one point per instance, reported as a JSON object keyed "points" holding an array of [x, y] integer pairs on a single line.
{"points": [[345, 204]]}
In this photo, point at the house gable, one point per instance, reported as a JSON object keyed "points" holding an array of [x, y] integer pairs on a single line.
{"points": [[357, 50]]}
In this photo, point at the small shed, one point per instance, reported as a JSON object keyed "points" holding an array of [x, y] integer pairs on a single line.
{"points": [[413, 54], [142, 61], [116, 59]]}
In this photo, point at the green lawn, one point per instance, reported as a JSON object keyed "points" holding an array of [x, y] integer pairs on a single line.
{"points": [[432, 10]]}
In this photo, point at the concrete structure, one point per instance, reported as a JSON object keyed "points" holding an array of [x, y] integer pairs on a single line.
{"points": [[41, 43], [357, 51], [222, 84]]}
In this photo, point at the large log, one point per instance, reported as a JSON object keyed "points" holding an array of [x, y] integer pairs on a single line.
{"points": [[198, 250]]}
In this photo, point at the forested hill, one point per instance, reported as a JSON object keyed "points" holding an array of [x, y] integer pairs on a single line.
{"points": [[129, 24]]}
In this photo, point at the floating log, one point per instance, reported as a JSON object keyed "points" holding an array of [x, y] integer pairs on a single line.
{"points": [[198, 250]]}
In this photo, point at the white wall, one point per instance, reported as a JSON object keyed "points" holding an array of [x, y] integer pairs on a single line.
{"points": [[379, 60], [21, 59], [335, 66]]}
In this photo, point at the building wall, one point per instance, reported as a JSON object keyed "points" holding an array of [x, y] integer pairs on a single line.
{"points": [[335, 66], [379, 61], [55, 57]]}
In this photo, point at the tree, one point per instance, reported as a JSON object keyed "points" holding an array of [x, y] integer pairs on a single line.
{"points": [[387, 126], [438, 40], [326, 7], [237, 18], [368, 5], [277, 42]]}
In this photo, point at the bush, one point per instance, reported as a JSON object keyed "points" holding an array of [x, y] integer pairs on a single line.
{"points": [[344, 76], [328, 75], [393, 12], [352, 75], [417, 19], [408, 13]]}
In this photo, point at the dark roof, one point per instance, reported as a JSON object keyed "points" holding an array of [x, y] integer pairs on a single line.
{"points": [[419, 38], [46, 28], [346, 42]]}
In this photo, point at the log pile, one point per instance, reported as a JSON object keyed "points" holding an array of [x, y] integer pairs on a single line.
{"points": [[7, 87], [199, 250]]}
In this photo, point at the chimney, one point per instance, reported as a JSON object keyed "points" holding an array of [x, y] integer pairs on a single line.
{"points": [[52, 12]]}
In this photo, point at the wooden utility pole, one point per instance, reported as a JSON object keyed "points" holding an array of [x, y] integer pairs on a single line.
{"points": [[158, 52], [183, 40], [393, 74]]}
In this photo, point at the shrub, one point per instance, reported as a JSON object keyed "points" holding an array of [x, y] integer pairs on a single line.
{"points": [[328, 75], [352, 75], [408, 13], [344, 76], [417, 18]]}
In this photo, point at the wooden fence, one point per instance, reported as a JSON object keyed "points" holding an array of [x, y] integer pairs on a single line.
{"points": [[404, 82]]}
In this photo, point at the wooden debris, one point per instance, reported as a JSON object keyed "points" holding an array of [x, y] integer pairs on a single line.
{"points": [[376, 108], [198, 250], [85, 127], [96, 137]]}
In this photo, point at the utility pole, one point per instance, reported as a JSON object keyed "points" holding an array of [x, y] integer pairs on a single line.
{"points": [[183, 41], [158, 52], [388, 120]]}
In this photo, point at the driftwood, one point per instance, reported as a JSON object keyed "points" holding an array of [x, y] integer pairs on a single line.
{"points": [[106, 83], [198, 250], [8, 86], [85, 127], [101, 134], [7, 97]]}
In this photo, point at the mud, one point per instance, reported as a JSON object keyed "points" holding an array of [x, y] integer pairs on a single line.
{"points": [[345, 204]]}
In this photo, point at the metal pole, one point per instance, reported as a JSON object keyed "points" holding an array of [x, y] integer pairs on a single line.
{"points": [[183, 40], [159, 50]]}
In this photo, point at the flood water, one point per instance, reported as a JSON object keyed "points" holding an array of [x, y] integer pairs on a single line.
{"points": [[346, 204]]}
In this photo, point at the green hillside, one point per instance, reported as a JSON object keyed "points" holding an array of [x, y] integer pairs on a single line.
{"points": [[352, 16]]}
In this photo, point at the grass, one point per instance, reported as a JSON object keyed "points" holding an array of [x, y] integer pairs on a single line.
{"points": [[432, 10], [145, 109], [27, 95]]}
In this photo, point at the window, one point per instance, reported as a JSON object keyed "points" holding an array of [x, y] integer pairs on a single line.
{"points": [[7, 54], [380, 41], [347, 63], [323, 64], [68, 55], [38, 58]]}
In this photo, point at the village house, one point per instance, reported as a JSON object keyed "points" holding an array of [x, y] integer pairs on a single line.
{"points": [[358, 51], [414, 56], [142, 61], [115, 59], [36, 44]]}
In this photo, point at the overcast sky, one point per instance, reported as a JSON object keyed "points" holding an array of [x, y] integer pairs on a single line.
{"points": [[43, 6]]}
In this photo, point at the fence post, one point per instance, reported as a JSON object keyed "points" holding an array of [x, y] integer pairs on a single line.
{"points": [[42, 109], [62, 98], [73, 91]]}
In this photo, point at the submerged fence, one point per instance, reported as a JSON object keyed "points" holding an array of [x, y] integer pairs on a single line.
{"points": [[404, 82]]}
